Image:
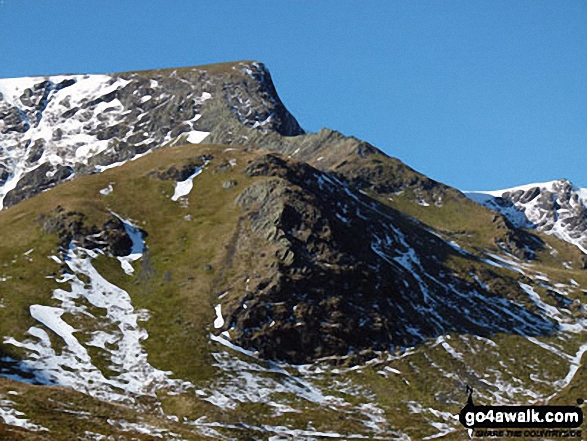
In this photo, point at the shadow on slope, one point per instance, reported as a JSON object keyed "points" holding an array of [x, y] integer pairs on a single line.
{"points": [[13, 368], [323, 270]]}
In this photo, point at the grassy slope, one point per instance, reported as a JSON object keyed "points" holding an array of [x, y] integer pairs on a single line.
{"points": [[472, 228], [68, 415], [178, 279], [175, 282]]}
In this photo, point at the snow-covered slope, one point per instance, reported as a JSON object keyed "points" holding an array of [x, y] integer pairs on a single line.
{"points": [[50, 126], [557, 207], [55, 127]]}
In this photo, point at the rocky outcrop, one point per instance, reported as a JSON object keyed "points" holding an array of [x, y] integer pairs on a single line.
{"points": [[338, 273], [182, 173], [37, 180], [111, 237]]}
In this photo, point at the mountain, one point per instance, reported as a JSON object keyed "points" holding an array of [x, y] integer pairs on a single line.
{"points": [[183, 261], [558, 208], [53, 128]]}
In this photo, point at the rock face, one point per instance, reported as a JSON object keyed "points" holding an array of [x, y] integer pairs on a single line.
{"points": [[558, 208], [54, 127], [344, 274]]}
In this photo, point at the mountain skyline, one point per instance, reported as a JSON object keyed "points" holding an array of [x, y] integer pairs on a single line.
{"points": [[178, 255], [477, 96]]}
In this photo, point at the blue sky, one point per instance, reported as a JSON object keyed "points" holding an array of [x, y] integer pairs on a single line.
{"points": [[476, 94]]}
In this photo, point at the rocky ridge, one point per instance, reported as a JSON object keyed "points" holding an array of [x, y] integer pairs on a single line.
{"points": [[345, 262]]}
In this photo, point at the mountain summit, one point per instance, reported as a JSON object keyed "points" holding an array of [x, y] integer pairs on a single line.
{"points": [[180, 260], [52, 128]]}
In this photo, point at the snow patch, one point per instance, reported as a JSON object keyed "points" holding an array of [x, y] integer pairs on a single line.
{"points": [[13, 417], [117, 335], [138, 245], [183, 188], [106, 191], [196, 137], [219, 321]]}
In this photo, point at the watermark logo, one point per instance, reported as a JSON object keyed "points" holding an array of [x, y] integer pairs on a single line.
{"points": [[551, 421]]}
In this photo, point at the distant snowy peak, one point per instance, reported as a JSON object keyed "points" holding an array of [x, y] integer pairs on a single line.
{"points": [[557, 207], [56, 127]]}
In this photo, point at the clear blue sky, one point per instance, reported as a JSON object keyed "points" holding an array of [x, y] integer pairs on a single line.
{"points": [[476, 94]]}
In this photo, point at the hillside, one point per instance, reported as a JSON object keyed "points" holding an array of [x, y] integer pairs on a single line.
{"points": [[228, 276]]}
